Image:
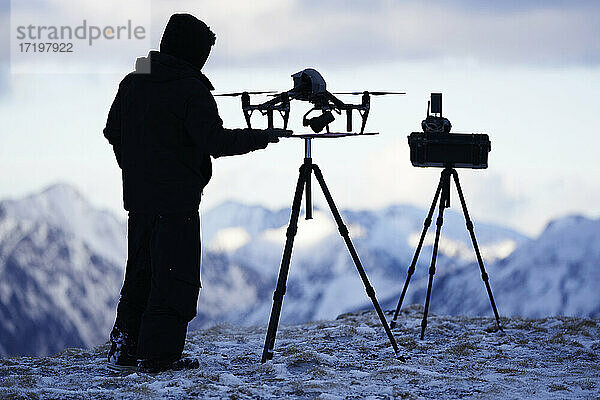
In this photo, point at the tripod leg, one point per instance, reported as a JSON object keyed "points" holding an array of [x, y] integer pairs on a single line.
{"points": [[484, 275], [445, 180], [285, 266], [411, 269], [361, 271]]}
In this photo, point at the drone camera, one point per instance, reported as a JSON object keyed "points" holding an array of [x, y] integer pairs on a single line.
{"points": [[317, 124]]}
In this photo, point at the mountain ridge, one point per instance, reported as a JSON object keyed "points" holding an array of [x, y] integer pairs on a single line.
{"points": [[50, 242]]}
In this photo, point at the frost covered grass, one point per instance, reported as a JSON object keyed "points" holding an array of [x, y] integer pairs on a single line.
{"points": [[550, 358]]}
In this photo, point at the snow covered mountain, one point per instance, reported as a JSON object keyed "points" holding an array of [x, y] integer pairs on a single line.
{"points": [[554, 274], [58, 278], [558, 273], [323, 281], [62, 206], [62, 260]]}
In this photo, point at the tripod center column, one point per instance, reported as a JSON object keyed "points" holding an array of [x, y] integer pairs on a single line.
{"points": [[308, 163], [307, 148]]}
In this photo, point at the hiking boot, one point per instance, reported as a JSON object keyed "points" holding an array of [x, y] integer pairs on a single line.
{"points": [[122, 353]]}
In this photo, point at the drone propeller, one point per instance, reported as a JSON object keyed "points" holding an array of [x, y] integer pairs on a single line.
{"points": [[275, 94], [371, 93], [241, 93]]}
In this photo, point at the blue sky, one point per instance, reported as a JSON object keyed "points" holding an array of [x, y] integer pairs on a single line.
{"points": [[527, 73]]}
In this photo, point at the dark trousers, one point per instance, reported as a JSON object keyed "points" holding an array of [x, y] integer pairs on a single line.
{"points": [[162, 283]]}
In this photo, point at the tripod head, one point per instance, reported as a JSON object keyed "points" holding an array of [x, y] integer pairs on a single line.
{"points": [[434, 122]]}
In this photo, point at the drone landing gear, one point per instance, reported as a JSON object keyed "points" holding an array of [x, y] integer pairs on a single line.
{"points": [[444, 189], [304, 179]]}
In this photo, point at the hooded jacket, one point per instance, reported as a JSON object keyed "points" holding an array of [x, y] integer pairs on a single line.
{"points": [[164, 127]]}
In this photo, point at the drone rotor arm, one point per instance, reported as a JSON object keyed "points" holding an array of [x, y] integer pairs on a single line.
{"points": [[337, 103], [236, 94], [374, 93]]}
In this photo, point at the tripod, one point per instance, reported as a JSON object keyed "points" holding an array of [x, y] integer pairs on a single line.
{"points": [[304, 178], [444, 189]]}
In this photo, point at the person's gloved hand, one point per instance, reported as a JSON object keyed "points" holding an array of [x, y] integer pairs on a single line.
{"points": [[275, 133]]}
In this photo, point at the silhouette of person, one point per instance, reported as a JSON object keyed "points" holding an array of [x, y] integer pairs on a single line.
{"points": [[164, 127]]}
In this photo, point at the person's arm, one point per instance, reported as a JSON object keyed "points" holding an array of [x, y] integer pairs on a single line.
{"points": [[205, 127], [112, 131]]}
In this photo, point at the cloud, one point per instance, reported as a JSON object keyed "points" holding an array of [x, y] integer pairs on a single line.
{"points": [[515, 5], [4, 32], [350, 33], [4, 43], [554, 33]]}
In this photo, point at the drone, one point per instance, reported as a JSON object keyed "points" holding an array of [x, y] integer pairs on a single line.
{"points": [[310, 86]]}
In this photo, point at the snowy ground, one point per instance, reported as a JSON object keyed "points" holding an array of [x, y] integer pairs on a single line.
{"points": [[551, 358]]}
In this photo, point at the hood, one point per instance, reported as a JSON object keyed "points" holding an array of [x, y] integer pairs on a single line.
{"points": [[161, 67], [187, 38]]}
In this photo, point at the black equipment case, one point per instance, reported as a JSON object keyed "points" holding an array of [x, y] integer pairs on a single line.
{"points": [[459, 150]]}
